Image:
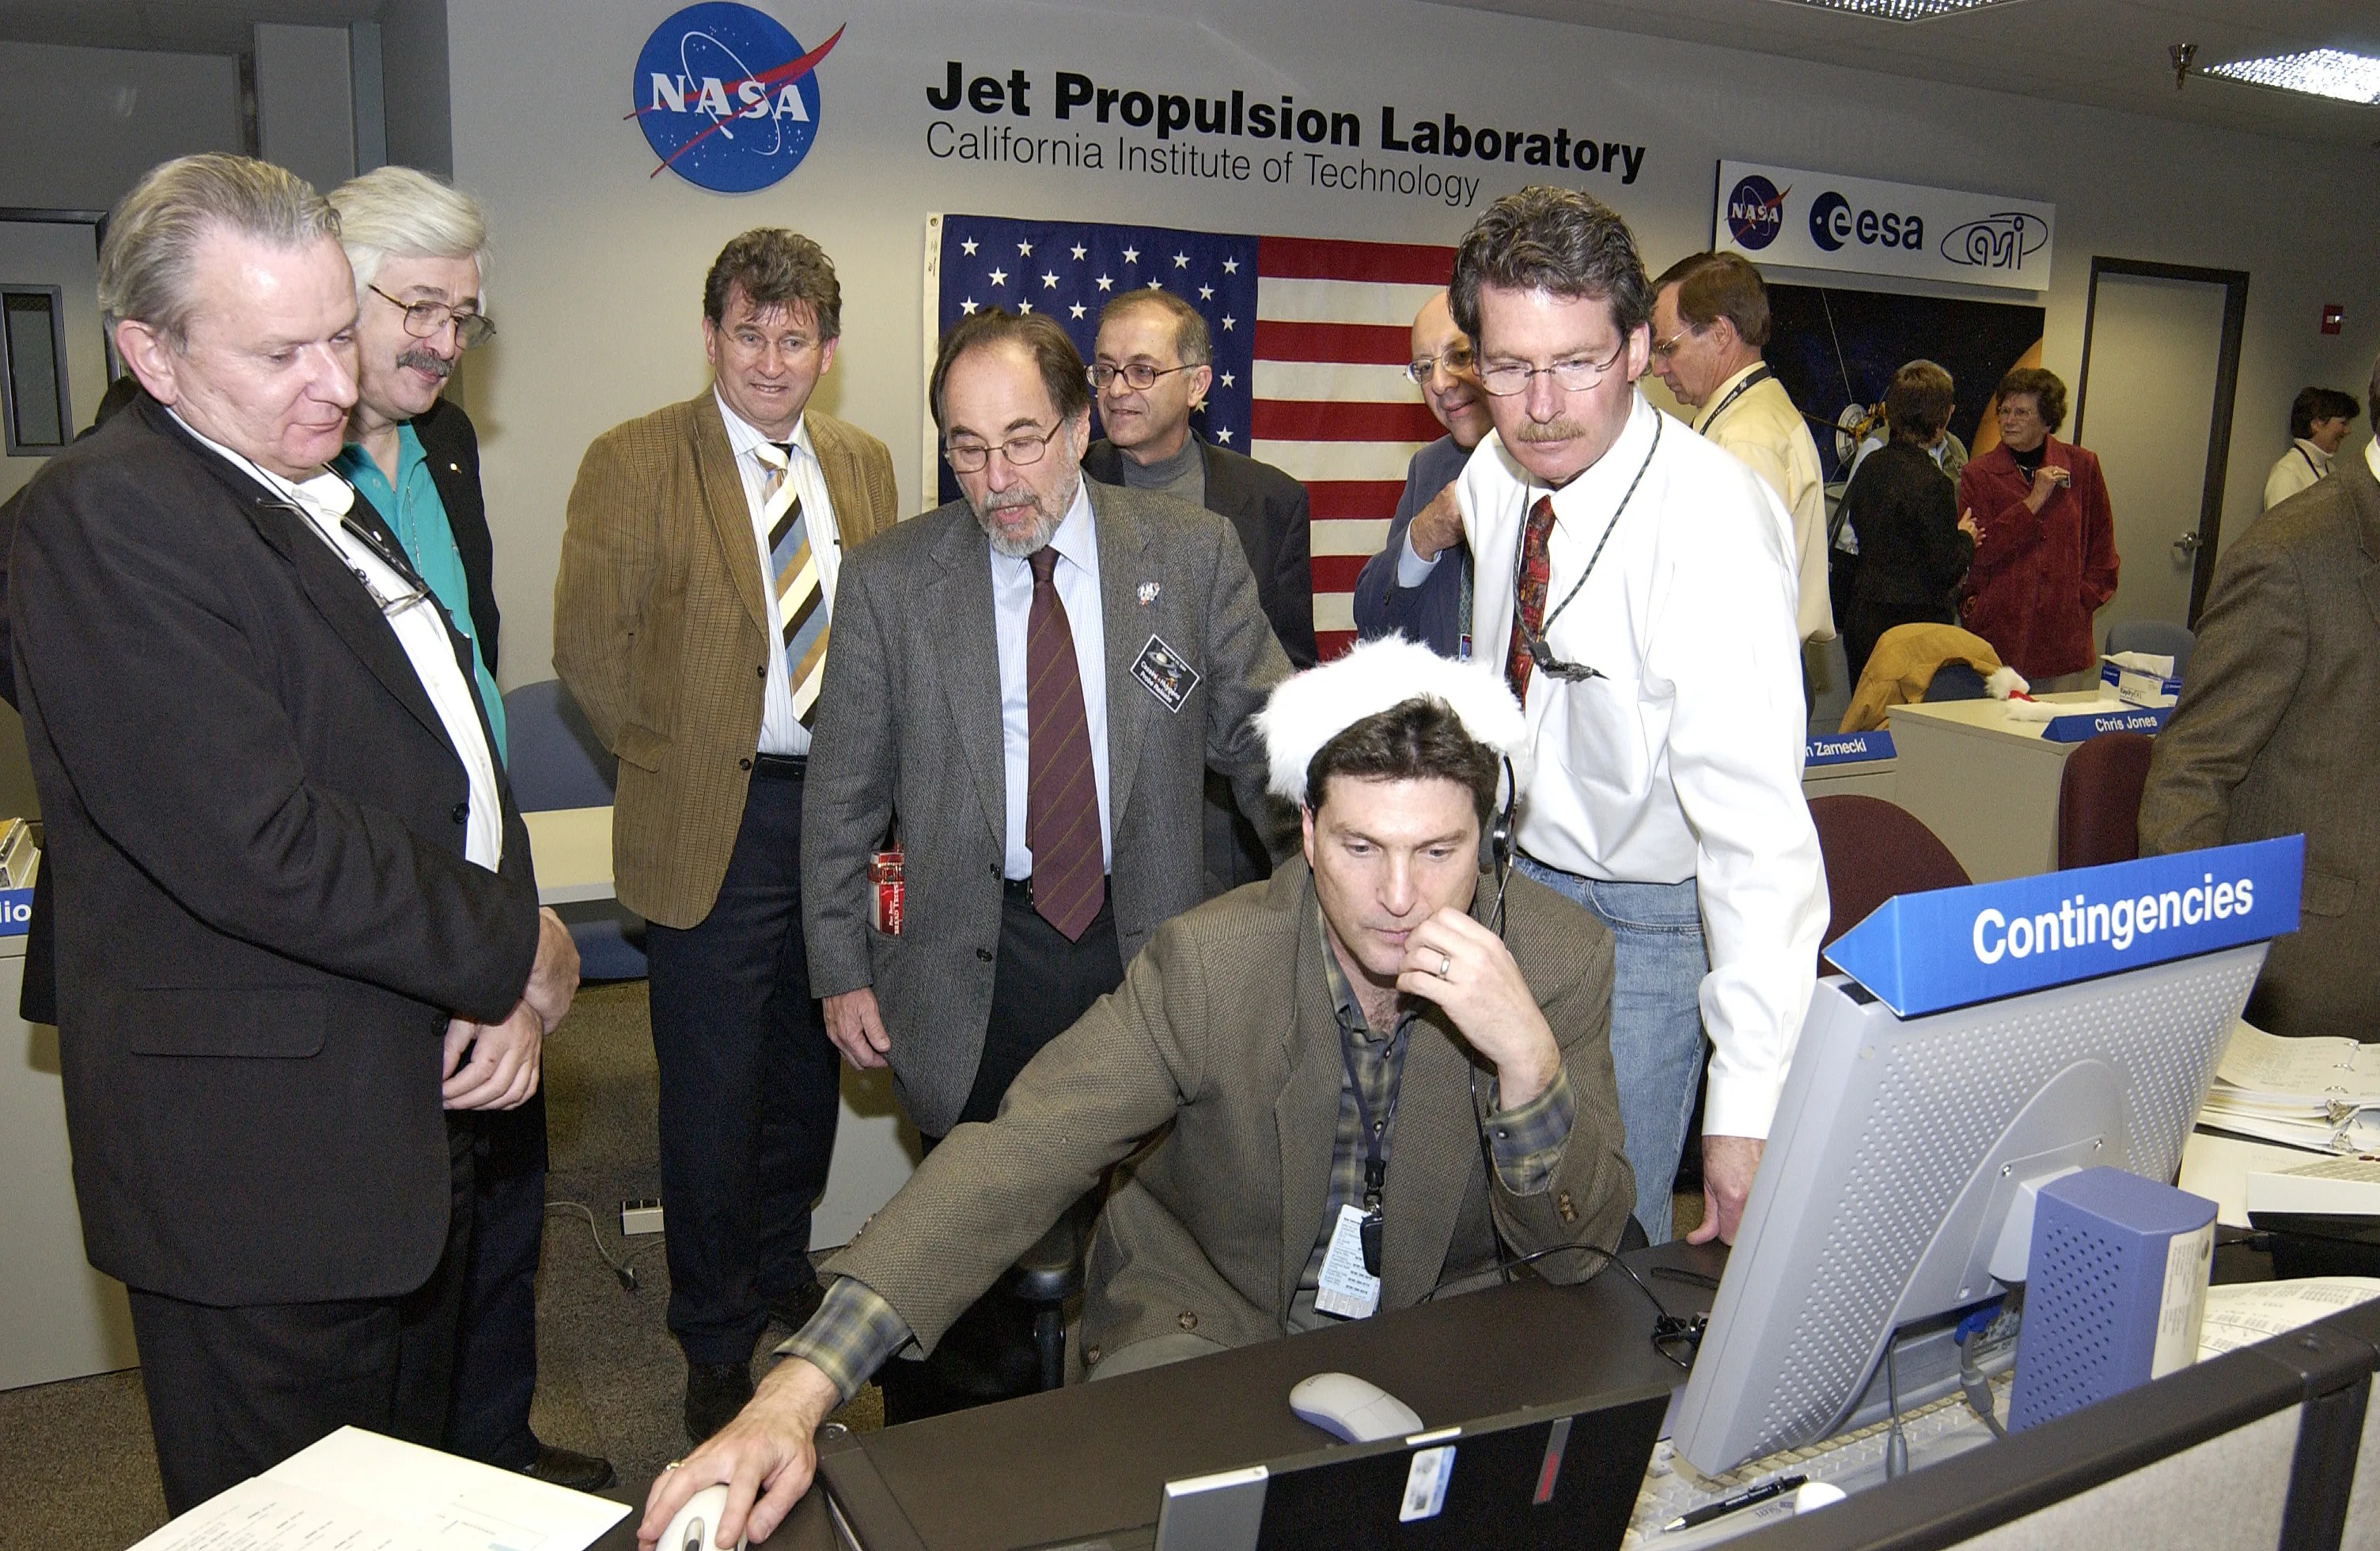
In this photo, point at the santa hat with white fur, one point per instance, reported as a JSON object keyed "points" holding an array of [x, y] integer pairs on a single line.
{"points": [[1312, 708]]}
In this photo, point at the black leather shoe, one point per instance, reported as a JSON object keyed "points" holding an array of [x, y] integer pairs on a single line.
{"points": [[793, 1310], [564, 1467], [714, 1393]]}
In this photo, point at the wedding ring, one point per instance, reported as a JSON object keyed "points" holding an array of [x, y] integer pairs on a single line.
{"points": [[1445, 966], [672, 1465]]}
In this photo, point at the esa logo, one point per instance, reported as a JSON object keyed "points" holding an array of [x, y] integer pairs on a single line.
{"points": [[1833, 222], [727, 98], [1756, 212]]}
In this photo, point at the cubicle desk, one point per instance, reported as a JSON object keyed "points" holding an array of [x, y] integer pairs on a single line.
{"points": [[1866, 778], [1095, 1457], [59, 1318], [1986, 785]]}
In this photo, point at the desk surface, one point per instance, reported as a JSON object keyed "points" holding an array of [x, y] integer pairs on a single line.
{"points": [[1988, 718], [572, 848], [1095, 1457]]}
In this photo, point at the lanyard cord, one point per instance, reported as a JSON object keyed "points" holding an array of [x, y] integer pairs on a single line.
{"points": [[1609, 529], [1375, 1163], [1758, 375]]}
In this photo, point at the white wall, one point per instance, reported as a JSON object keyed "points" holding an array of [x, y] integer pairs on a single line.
{"points": [[79, 125], [599, 266]]}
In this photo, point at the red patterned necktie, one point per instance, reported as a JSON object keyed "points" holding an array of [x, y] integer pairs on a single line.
{"points": [[1529, 589], [1061, 802]]}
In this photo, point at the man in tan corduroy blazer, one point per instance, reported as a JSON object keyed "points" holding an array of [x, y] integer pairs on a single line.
{"points": [[690, 619]]}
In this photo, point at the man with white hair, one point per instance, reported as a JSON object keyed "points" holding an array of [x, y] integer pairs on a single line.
{"points": [[1330, 1059], [419, 249], [296, 924]]}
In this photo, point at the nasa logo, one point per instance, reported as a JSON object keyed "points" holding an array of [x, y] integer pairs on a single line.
{"points": [[1834, 223], [727, 98], [1756, 212]]}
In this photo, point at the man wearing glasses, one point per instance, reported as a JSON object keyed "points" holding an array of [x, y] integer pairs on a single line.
{"points": [[691, 619], [418, 249], [1149, 369], [1637, 588], [1027, 685], [1402, 589], [1710, 323]]}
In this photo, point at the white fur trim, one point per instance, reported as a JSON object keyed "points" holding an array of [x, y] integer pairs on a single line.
{"points": [[1310, 708], [2003, 682]]}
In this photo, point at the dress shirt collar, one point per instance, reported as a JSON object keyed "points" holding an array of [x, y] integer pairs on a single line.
{"points": [[2371, 456], [743, 435], [2315, 455], [1584, 505], [1711, 406], [324, 491]]}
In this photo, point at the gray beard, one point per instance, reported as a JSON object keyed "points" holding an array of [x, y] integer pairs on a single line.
{"points": [[1037, 537]]}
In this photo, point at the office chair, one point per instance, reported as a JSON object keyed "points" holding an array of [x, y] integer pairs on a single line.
{"points": [[1875, 850], [555, 761], [2099, 799], [2156, 638]]}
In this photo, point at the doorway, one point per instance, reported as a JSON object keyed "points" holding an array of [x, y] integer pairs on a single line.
{"points": [[2161, 361], [49, 276]]}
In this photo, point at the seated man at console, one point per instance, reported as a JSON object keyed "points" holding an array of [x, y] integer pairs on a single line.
{"points": [[1336, 1050]]}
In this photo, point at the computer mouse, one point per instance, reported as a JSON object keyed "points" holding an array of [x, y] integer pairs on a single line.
{"points": [[695, 1528], [1350, 1408]]}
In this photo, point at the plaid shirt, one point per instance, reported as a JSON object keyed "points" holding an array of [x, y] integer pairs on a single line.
{"points": [[1526, 1143], [855, 1329]]}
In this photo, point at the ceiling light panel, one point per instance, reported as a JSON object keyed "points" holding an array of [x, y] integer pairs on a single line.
{"points": [[2322, 72], [1900, 10]]}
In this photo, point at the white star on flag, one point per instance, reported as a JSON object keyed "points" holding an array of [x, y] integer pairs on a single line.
{"points": [[1225, 437], [967, 307], [1050, 281], [1079, 250], [1024, 250], [1181, 261], [1105, 285], [1227, 378], [1230, 266], [1205, 293], [1000, 277], [1157, 285], [1228, 322], [967, 247], [1075, 310], [1132, 255], [1025, 308]]}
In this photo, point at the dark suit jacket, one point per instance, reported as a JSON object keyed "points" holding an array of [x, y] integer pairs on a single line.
{"points": [[908, 729], [2276, 735], [1432, 613], [269, 915], [451, 447], [1223, 1043], [1267, 509]]}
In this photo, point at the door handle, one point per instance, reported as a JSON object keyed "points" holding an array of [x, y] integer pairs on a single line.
{"points": [[2186, 545]]}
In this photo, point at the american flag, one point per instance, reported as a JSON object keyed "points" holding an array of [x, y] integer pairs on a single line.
{"points": [[1311, 340]]}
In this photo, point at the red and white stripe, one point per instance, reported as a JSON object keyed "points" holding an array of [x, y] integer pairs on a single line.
{"points": [[1333, 407]]}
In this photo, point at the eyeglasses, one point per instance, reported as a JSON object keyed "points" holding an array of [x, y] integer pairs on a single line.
{"points": [[1506, 378], [1022, 452], [424, 318], [1456, 360], [1664, 349], [1139, 376]]}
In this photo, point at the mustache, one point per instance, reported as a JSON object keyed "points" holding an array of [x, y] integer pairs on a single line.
{"points": [[426, 361], [1552, 430]]}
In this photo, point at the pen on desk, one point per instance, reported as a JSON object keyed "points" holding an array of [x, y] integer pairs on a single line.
{"points": [[1751, 1498]]}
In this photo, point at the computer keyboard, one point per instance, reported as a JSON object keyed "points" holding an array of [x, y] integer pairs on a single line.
{"points": [[1853, 1461]]}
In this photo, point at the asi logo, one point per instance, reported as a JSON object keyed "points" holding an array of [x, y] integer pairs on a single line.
{"points": [[728, 99], [1755, 212]]}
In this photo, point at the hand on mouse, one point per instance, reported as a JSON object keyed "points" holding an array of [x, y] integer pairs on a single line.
{"points": [[765, 1457]]}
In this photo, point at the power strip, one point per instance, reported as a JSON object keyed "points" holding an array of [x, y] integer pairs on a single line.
{"points": [[642, 1215]]}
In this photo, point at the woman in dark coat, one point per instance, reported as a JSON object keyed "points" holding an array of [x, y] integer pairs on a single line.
{"points": [[1913, 545]]}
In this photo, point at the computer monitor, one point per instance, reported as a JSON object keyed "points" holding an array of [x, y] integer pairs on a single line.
{"points": [[1897, 1152]]}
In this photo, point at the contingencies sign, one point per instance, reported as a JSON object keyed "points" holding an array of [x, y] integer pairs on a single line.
{"points": [[1923, 952], [1788, 215]]}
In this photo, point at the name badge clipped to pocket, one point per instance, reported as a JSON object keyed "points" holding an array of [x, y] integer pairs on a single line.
{"points": [[1165, 673], [1346, 1290], [884, 878]]}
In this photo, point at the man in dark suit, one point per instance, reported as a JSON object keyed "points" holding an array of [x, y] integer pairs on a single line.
{"points": [[1028, 687], [2275, 736], [1151, 363], [418, 249], [1385, 970], [260, 761], [691, 619], [1402, 590]]}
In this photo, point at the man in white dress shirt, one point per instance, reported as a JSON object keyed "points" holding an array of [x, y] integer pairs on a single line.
{"points": [[1638, 587]]}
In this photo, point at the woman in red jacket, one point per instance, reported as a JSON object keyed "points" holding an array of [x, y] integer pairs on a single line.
{"points": [[2046, 545]]}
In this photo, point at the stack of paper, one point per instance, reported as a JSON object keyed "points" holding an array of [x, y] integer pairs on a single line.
{"points": [[2322, 1094], [2242, 1314]]}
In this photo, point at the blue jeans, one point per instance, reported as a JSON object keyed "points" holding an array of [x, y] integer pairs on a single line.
{"points": [[1657, 1022]]}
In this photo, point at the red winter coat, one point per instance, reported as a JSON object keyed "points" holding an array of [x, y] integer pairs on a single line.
{"points": [[2038, 579]]}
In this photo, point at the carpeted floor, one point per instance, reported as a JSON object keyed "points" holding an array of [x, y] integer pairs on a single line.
{"points": [[77, 1474]]}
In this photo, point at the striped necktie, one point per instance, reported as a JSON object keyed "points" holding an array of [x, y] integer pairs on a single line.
{"points": [[1062, 800], [801, 601], [1529, 597]]}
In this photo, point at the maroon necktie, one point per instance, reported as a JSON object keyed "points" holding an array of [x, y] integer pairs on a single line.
{"points": [[1529, 589], [1062, 800]]}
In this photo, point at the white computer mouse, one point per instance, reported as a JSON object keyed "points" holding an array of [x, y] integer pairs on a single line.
{"points": [[1350, 1408], [695, 1528]]}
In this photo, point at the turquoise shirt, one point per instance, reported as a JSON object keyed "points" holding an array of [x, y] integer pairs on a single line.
{"points": [[418, 516]]}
